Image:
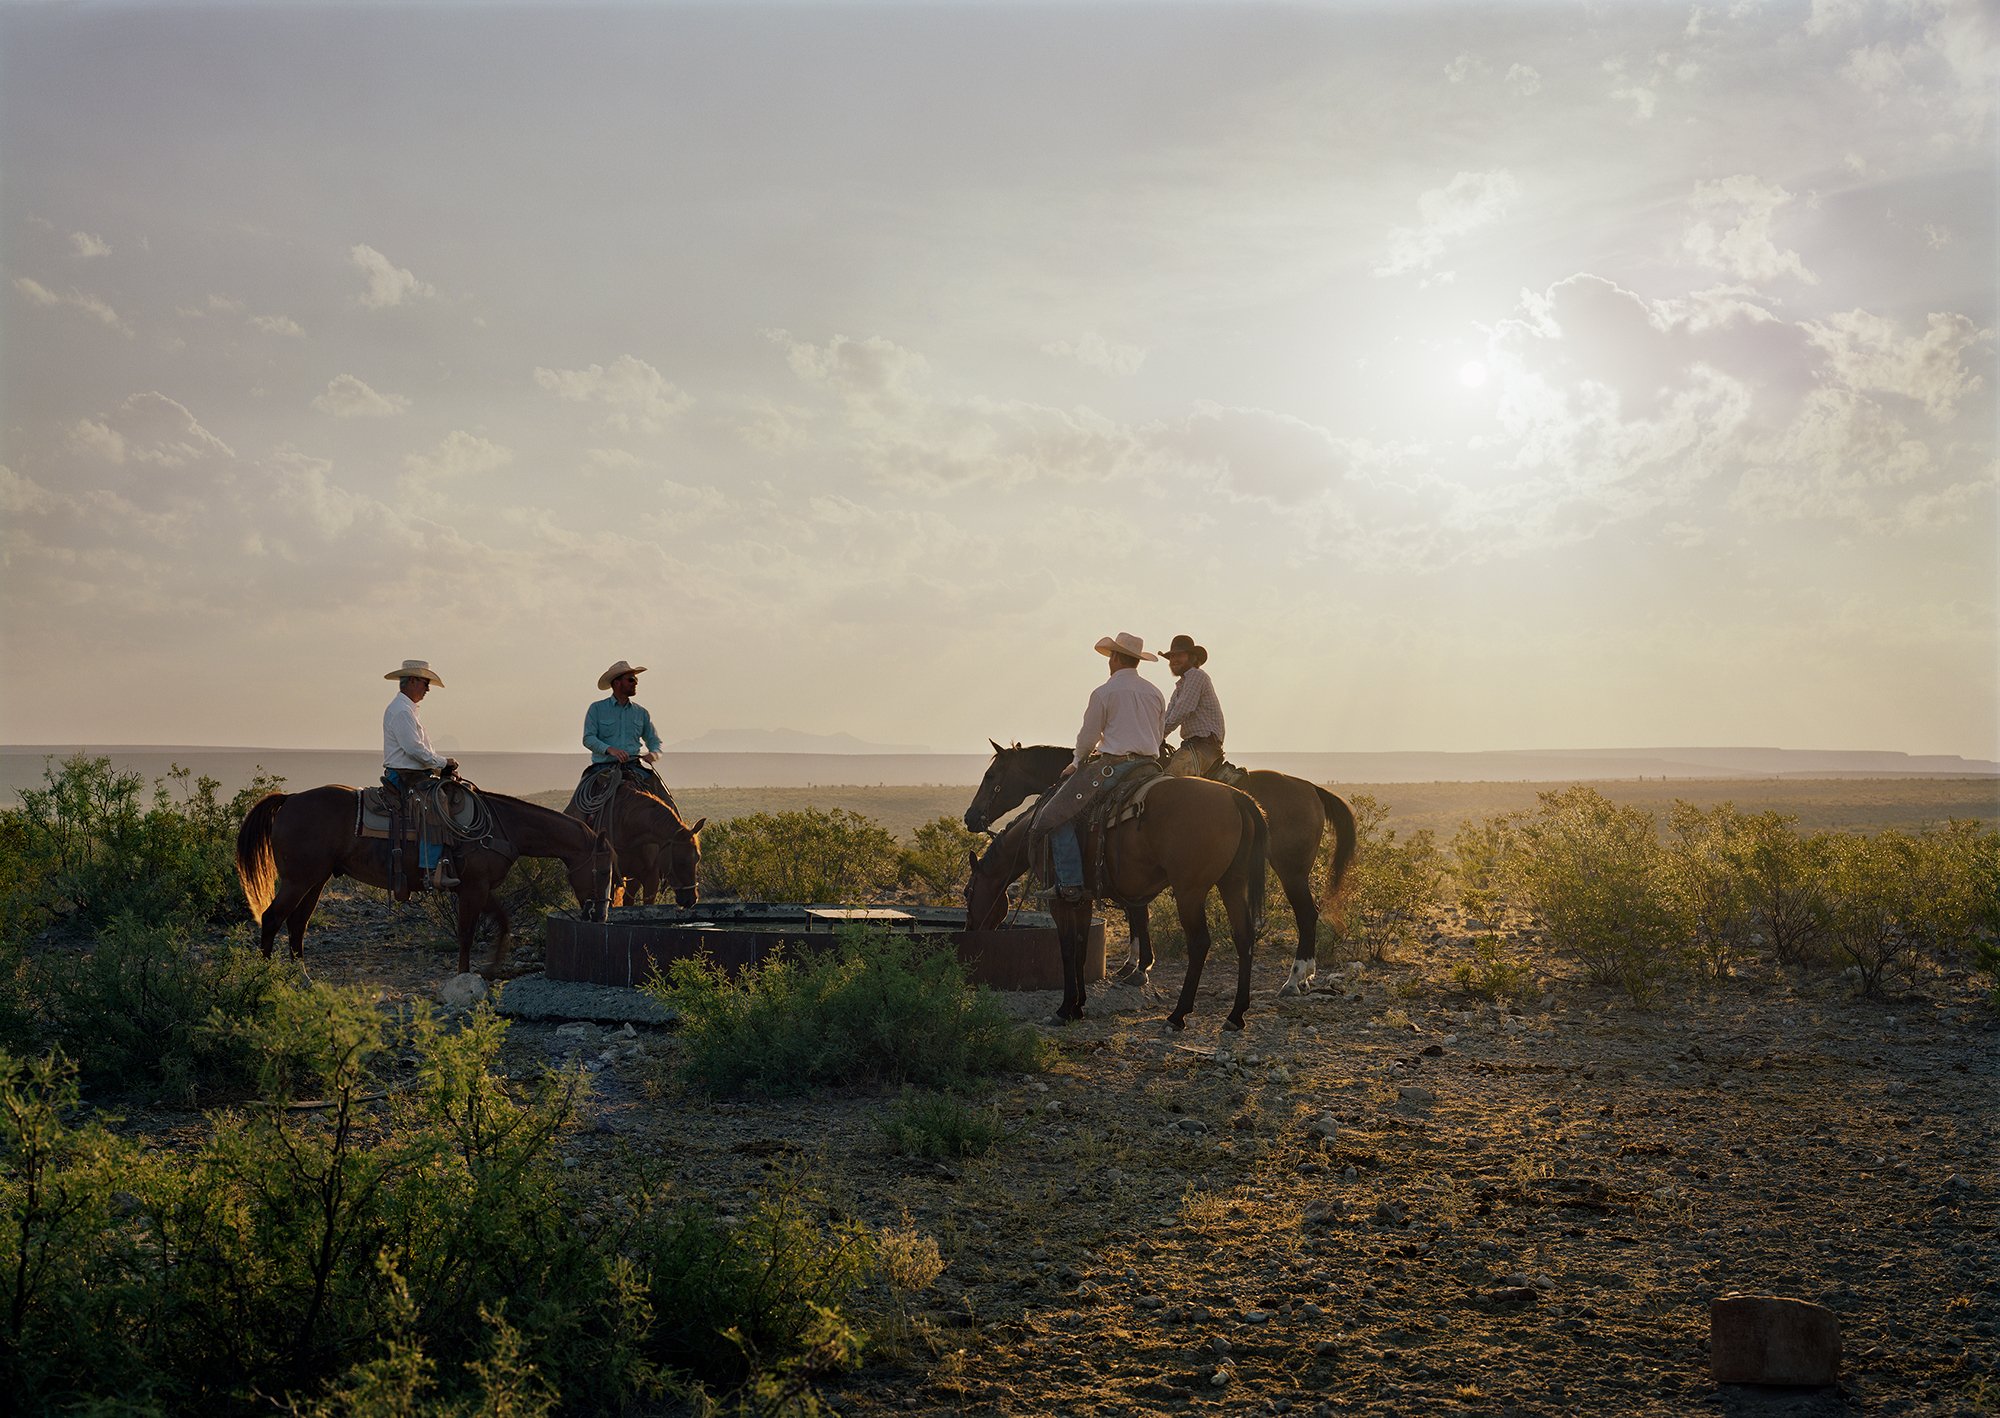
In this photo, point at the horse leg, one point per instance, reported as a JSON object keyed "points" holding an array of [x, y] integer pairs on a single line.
{"points": [[1305, 910], [502, 937], [1140, 959], [1243, 932], [295, 921], [471, 905], [1072, 930], [1193, 908]]}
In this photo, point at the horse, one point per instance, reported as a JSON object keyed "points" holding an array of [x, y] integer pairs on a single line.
{"points": [[1299, 813], [291, 844], [653, 840], [1194, 835]]}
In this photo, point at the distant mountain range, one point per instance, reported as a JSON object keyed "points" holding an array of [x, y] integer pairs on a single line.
{"points": [[784, 741]]}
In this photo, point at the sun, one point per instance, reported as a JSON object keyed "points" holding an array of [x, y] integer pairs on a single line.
{"points": [[1472, 374]]}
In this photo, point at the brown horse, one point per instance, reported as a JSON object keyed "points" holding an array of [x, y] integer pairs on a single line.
{"points": [[291, 844], [1194, 835], [652, 841], [1299, 813]]}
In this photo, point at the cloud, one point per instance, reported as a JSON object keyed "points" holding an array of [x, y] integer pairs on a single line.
{"points": [[460, 455], [1868, 353], [1257, 453], [90, 305], [149, 429], [388, 284], [1524, 80], [278, 325], [1468, 202], [348, 398], [636, 397], [1093, 351], [1464, 67], [86, 246], [1729, 230]]}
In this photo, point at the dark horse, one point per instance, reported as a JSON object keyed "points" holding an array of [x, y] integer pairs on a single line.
{"points": [[1299, 813], [653, 841], [290, 844], [1193, 836]]}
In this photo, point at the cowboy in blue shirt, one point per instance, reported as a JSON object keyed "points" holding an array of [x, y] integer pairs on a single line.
{"points": [[619, 730]]}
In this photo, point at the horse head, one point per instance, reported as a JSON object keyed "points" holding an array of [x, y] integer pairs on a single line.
{"points": [[681, 861], [1015, 775], [992, 873]]}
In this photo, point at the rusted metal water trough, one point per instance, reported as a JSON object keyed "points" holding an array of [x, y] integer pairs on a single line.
{"points": [[625, 950]]}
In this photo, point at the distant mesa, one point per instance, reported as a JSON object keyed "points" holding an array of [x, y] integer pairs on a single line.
{"points": [[785, 741]]}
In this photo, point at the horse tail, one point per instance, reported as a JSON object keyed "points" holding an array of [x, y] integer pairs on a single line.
{"points": [[256, 864], [1257, 830], [1346, 842]]}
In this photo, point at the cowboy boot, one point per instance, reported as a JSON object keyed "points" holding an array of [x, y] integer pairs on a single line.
{"points": [[442, 876]]}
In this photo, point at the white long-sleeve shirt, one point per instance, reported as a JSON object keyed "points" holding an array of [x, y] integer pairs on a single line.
{"points": [[404, 742], [1124, 716]]}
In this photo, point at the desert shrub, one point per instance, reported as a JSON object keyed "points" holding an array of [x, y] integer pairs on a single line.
{"points": [[935, 866], [1705, 886], [1482, 856], [879, 1008], [138, 1011], [939, 1125], [809, 855], [1784, 878], [86, 848], [1493, 974], [1875, 907], [758, 1303], [1396, 884], [1591, 871]]}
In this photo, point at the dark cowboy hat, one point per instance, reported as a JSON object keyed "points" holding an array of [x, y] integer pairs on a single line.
{"points": [[1185, 644]]}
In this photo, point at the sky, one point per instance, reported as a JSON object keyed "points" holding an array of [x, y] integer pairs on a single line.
{"points": [[1462, 376]]}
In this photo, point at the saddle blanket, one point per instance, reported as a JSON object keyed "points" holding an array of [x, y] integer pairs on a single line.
{"points": [[460, 809]]}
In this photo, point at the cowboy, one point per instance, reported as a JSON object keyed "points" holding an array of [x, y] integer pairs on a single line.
{"points": [[615, 729], [1194, 710], [408, 758], [1121, 725]]}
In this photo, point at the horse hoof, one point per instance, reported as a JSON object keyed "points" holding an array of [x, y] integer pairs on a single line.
{"points": [[1232, 1025], [1174, 1023]]}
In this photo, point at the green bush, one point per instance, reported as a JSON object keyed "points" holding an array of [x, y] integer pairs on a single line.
{"points": [[939, 1125], [139, 1011], [85, 849], [879, 1008], [1493, 974], [1785, 885], [1705, 883], [1396, 885], [934, 867], [809, 855], [1593, 872], [1482, 862]]}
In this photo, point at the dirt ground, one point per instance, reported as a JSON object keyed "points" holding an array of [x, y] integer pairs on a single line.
{"points": [[1388, 1196]]}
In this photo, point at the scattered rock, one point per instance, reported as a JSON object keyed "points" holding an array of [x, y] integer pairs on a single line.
{"points": [[462, 991], [1773, 1339]]}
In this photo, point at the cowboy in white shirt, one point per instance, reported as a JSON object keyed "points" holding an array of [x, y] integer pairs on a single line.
{"points": [[407, 755], [1123, 721]]}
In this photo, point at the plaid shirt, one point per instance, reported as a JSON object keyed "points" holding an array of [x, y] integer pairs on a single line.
{"points": [[1194, 709]]}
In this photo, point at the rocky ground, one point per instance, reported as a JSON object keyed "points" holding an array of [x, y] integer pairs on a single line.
{"points": [[1390, 1196]]}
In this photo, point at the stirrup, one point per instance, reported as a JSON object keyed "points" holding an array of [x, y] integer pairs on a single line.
{"points": [[441, 878]]}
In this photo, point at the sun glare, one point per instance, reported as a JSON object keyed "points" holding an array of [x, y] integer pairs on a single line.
{"points": [[1472, 374]]}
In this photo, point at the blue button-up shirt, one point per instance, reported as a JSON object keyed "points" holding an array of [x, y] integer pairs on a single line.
{"points": [[607, 724]]}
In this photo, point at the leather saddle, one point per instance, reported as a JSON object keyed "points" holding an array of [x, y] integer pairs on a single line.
{"points": [[1103, 801], [438, 808], [1227, 774]]}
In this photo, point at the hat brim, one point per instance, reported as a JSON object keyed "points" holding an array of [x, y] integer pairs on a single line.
{"points": [[1108, 647], [604, 680], [426, 674]]}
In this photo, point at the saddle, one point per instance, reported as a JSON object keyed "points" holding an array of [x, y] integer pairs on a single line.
{"points": [[1101, 802], [1228, 774], [591, 802], [445, 809]]}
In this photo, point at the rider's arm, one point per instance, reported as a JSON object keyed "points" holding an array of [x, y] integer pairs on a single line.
{"points": [[1092, 733], [593, 738]]}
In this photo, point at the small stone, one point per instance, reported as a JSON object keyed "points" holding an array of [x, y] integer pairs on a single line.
{"points": [[1255, 1316], [1773, 1339], [462, 991], [1150, 1302]]}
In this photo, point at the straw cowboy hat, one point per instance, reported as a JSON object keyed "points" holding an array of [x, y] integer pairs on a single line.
{"points": [[1184, 644], [416, 669], [621, 668], [1125, 643]]}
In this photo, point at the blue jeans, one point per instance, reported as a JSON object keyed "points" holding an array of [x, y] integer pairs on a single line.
{"points": [[1065, 851]]}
